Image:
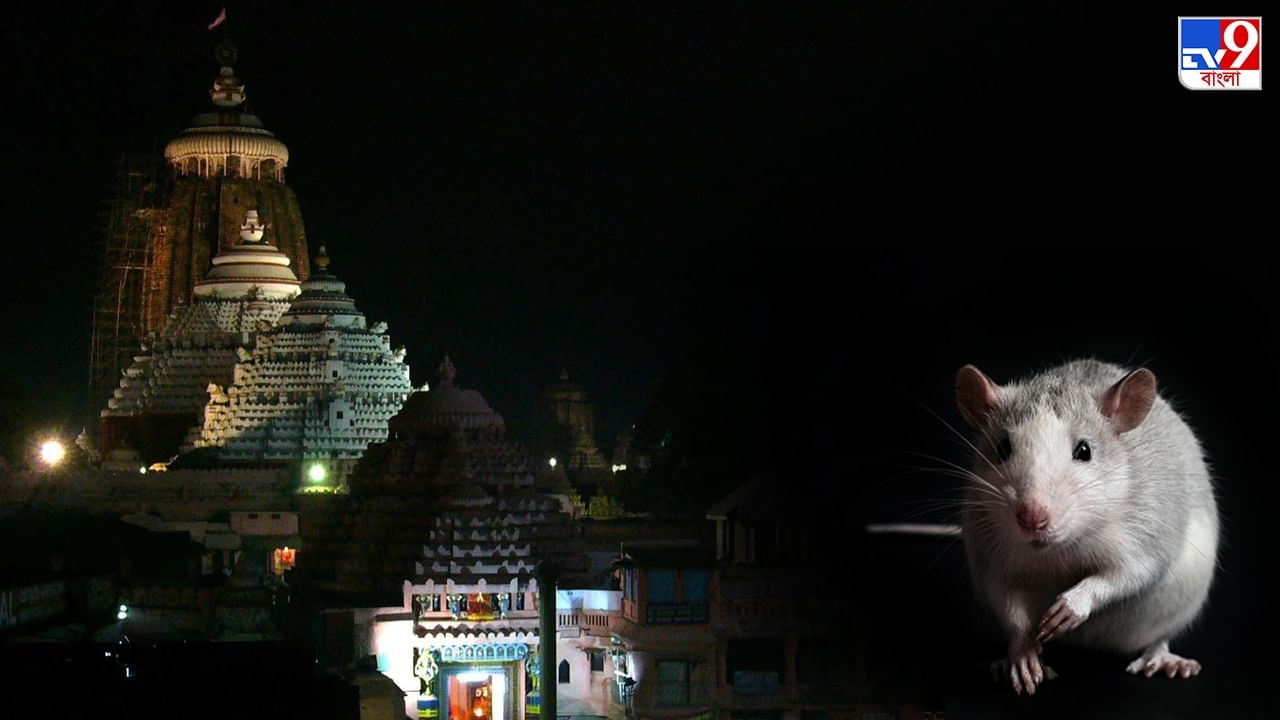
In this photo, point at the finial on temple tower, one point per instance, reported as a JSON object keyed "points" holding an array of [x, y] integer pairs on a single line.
{"points": [[252, 230], [228, 91]]}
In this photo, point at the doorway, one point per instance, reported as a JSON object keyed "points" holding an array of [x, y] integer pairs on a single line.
{"points": [[478, 695]]}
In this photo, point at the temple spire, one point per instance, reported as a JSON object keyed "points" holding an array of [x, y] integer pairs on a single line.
{"points": [[447, 372], [227, 92]]}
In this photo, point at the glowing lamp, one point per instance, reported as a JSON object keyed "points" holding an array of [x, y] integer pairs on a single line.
{"points": [[316, 473], [52, 452], [552, 462]]}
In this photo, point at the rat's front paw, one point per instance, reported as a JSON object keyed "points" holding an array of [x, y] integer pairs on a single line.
{"points": [[1066, 614], [1023, 669]]}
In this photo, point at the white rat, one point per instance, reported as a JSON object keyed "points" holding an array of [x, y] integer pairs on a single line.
{"points": [[1090, 515]]}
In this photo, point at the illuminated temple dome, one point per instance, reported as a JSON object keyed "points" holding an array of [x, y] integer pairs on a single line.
{"points": [[230, 141], [318, 385], [164, 390]]}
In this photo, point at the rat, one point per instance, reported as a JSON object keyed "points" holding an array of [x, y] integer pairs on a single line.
{"points": [[1089, 516]]}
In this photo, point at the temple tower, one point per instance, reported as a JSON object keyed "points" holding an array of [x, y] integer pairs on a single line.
{"points": [[166, 224], [224, 163], [318, 385], [565, 428]]}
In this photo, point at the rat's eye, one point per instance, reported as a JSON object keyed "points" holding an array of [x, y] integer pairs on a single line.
{"points": [[1004, 449], [1082, 453]]}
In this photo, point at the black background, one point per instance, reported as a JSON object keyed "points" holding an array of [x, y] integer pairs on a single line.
{"points": [[814, 211]]}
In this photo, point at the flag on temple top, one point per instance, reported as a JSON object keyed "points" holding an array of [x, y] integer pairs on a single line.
{"points": [[218, 20]]}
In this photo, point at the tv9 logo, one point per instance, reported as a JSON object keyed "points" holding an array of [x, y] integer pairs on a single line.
{"points": [[1220, 53]]}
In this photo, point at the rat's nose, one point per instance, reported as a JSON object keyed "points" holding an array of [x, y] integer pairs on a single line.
{"points": [[1032, 517]]}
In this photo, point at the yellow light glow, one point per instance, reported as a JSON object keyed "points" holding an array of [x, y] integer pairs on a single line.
{"points": [[52, 452], [552, 462], [316, 473]]}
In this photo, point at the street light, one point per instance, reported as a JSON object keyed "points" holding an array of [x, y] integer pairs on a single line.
{"points": [[552, 462], [316, 473], [52, 452]]}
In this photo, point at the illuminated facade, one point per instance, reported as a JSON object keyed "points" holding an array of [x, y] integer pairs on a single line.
{"points": [[164, 391], [319, 385]]}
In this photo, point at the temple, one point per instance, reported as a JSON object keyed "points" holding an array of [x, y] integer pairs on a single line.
{"points": [[319, 384], [164, 391], [435, 555], [169, 219], [566, 429]]}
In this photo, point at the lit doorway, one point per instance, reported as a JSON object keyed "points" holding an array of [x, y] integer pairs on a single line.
{"points": [[478, 695]]}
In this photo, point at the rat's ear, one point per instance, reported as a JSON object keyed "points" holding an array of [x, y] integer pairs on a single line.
{"points": [[1129, 400], [975, 396]]}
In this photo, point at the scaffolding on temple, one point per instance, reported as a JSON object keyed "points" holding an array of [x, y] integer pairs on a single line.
{"points": [[132, 243]]}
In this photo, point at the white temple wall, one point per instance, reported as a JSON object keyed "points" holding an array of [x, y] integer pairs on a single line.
{"points": [[587, 692]]}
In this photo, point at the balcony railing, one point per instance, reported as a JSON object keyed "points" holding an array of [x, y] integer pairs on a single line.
{"points": [[593, 622]]}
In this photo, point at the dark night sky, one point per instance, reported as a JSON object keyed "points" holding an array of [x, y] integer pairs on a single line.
{"points": [[822, 209], [621, 187]]}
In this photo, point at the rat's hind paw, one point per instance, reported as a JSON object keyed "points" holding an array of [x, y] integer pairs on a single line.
{"points": [[1159, 659]]}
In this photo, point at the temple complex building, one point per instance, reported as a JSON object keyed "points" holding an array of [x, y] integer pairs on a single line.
{"points": [[431, 562], [565, 423], [164, 391], [318, 385], [162, 232], [568, 458]]}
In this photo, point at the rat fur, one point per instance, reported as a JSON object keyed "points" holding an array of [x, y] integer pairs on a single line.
{"points": [[1089, 515]]}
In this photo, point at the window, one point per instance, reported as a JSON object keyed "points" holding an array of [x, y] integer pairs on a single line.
{"points": [[694, 583], [562, 673], [520, 601], [662, 586], [597, 660], [754, 664], [339, 412], [673, 683]]}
